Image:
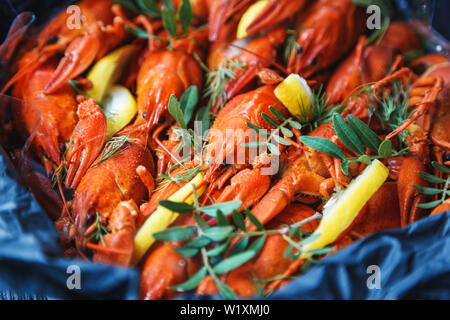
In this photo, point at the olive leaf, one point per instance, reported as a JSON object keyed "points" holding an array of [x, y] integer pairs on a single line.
{"points": [[188, 101], [176, 112], [347, 136], [226, 208], [175, 233], [367, 136], [192, 283], [323, 145], [218, 233], [185, 15], [179, 207]]}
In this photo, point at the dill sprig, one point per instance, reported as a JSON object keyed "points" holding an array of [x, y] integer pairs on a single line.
{"points": [[291, 44], [113, 147], [99, 231], [218, 79], [443, 192]]}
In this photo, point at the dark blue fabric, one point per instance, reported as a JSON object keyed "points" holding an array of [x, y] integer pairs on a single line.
{"points": [[414, 261]]}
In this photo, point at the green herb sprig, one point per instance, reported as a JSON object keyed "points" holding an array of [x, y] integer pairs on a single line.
{"points": [[113, 147], [216, 81], [213, 242], [274, 138], [357, 136], [99, 231], [184, 17], [444, 192]]}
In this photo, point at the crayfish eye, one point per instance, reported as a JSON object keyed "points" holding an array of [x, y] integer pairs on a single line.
{"points": [[144, 115], [52, 39], [90, 219], [447, 157]]}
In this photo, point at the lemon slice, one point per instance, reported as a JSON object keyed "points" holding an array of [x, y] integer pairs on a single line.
{"points": [[343, 207], [247, 18], [163, 217], [119, 107], [108, 70], [296, 96]]}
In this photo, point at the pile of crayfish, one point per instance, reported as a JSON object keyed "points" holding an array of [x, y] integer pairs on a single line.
{"points": [[108, 107]]}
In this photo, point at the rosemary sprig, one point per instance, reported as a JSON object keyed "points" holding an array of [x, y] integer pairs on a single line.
{"points": [[392, 111], [217, 80], [99, 231], [113, 147], [357, 136], [444, 192]]}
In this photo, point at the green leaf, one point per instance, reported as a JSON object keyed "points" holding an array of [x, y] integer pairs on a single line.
{"points": [[203, 225], [288, 133], [192, 283], [364, 159], [281, 140], [185, 15], [269, 120], [430, 178], [226, 208], [168, 17], [218, 250], [429, 205], [273, 149], [188, 101], [369, 138], [205, 119], [143, 34], [176, 112], [127, 4], [321, 251], [254, 219], [186, 252], [440, 167], [221, 219], [385, 149], [295, 124], [323, 145], [233, 262], [277, 113], [428, 191], [239, 220], [347, 136], [309, 239], [226, 292], [240, 246], [218, 233], [169, 5], [198, 242], [254, 126], [344, 167], [257, 245], [149, 7], [179, 207], [175, 233]]}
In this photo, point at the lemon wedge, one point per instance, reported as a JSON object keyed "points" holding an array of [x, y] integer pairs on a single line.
{"points": [[296, 96], [119, 107], [163, 217], [343, 207], [108, 70], [247, 18]]}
